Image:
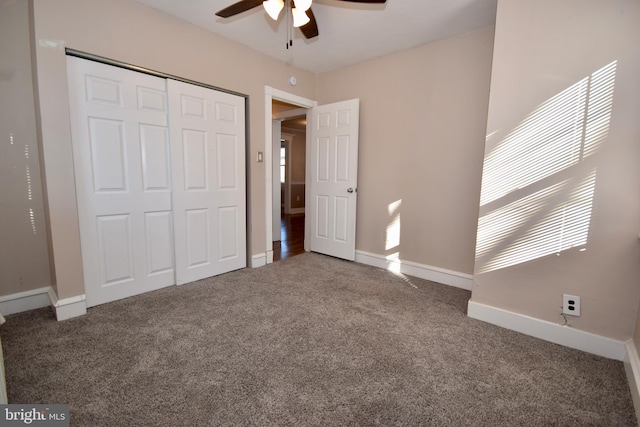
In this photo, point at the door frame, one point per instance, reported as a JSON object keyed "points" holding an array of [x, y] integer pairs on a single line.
{"points": [[279, 95], [287, 139]]}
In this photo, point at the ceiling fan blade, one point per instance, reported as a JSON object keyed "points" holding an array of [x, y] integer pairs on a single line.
{"points": [[310, 29], [239, 7], [365, 1]]}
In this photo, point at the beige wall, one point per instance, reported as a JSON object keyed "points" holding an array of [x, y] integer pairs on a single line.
{"points": [[297, 154], [422, 123], [23, 245], [297, 167], [127, 31], [542, 48]]}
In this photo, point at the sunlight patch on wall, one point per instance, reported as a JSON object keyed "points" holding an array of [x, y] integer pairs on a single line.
{"points": [[32, 220], [32, 216], [392, 235], [599, 108], [557, 135], [549, 221], [538, 182]]}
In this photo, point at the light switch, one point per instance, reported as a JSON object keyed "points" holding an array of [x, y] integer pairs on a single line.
{"points": [[260, 158]]}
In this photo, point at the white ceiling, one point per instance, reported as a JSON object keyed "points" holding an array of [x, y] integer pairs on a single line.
{"points": [[349, 32]]}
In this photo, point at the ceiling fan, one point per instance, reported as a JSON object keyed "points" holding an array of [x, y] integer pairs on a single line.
{"points": [[299, 10]]}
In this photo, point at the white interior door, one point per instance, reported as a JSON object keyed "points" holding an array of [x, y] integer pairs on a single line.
{"points": [[123, 180], [208, 159], [333, 178]]}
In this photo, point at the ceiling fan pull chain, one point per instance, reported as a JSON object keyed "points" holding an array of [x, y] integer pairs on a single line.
{"points": [[290, 23], [287, 10]]}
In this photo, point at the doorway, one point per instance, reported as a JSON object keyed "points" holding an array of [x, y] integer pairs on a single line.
{"points": [[289, 159], [332, 159]]}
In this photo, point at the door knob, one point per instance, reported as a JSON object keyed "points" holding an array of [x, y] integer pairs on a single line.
{"points": [[349, 190]]}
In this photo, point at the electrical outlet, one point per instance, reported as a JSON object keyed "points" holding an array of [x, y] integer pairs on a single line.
{"points": [[571, 305]]}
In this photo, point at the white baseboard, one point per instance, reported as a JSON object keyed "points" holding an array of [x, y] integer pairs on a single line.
{"points": [[548, 331], [435, 274], [67, 308], [43, 297], [294, 211], [24, 301], [260, 260], [632, 368]]}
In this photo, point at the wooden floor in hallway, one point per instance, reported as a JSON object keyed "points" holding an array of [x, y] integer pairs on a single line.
{"points": [[292, 237]]}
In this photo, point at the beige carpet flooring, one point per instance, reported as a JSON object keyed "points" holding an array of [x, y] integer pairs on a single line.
{"points": [[308, 341]]}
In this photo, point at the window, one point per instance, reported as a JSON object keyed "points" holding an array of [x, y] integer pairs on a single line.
{"points": [[283, 162]]}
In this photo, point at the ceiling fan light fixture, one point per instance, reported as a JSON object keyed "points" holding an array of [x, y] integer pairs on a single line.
{"points": [[300, 18], [298, 10], [302, 5], [273, 8]]}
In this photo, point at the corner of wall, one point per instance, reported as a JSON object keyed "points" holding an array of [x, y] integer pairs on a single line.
{"points": [[632, 369], [67, 308]]}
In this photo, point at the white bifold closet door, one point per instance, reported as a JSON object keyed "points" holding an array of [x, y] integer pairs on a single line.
{"points": [[138, 179]]}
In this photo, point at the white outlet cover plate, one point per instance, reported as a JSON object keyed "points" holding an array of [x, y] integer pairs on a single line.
{"points": [[569, 301]]}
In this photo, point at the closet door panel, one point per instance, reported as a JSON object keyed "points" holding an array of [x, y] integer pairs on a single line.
{"points": [[208, 149], [123, 179]]}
